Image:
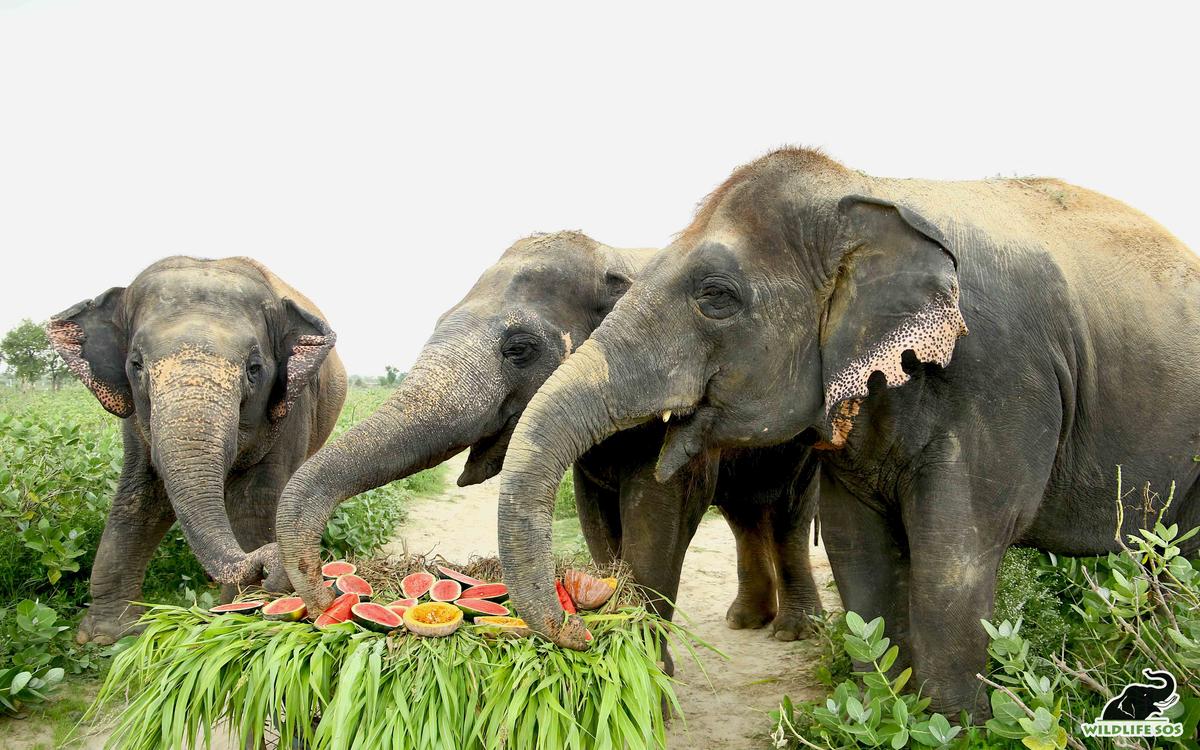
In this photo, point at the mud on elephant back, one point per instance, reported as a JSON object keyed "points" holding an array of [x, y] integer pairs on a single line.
{"points": [[226, 380]]}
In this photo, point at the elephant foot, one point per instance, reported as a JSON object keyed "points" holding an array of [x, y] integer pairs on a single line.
{"points": [[789, 626], [748, 616], [106, 628]]}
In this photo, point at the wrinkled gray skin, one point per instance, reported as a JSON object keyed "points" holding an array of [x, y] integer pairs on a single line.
{"points": [[226, 381], [811, 300], [486, 358]]}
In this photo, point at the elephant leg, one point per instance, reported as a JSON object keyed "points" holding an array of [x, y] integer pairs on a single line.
{"points": [[139, 517], [955, 559], [799, 600], [658, 522], [599, 517], [755, 603], [869, 561]]}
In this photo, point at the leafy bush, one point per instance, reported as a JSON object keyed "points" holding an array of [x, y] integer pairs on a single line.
{"points": [[1100, 622], [564, 498]]}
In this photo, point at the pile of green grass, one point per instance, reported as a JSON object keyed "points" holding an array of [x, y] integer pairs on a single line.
{"points": [[341, 687]]}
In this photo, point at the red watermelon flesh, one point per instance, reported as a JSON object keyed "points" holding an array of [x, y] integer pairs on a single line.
{"points": [[445, 590], [352, 584], [329, 583], [485, 591], [286, 609], [417, 585], [400, 606], [337, 568], [462, 578], [244, 608], [339, 611], [375, 617], [482, 607]]}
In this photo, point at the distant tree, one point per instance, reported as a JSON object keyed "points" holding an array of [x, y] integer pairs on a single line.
{"points": [[27, 352], [392, 374], [357, 381]]}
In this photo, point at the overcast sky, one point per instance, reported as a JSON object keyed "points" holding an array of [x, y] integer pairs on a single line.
{"points": [[378, 156]]}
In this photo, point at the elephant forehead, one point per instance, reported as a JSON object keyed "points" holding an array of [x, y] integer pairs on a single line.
{"points": [[192, 366]]}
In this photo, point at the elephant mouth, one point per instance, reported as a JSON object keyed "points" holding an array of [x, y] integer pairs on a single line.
{"points": [[487, 455]]}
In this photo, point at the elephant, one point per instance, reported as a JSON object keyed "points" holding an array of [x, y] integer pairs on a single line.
{"points": [[487, 356], [808, 301], [1138, 702], [226, 380]]}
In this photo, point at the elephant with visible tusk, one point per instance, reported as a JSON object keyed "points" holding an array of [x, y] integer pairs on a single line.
{"points": [[486, 358], [226, 380], [808, 301]]}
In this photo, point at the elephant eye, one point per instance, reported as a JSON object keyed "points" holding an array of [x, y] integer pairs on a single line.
{"points": [[254, 371], [718, 297], [135, 363], [521, 349]]}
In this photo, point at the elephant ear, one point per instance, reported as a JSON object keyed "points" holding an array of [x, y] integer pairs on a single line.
{"points": [[896, 291], [93, 346], [306, 342]]}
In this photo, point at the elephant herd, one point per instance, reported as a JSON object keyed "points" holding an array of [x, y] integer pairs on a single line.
{"points": [[940, 369]]}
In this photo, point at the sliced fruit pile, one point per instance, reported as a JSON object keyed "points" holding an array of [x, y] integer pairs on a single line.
{"points": [[432, 606]]}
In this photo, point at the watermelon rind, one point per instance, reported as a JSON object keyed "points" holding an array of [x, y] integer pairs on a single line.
{"points": [[243, 608], [482, 607], [375, 617], [485, 591], [287, 609], [462, 578], [332, 570], [417, 585], [445, 590], [352, 584]]}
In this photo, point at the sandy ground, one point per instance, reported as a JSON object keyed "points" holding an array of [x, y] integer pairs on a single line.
{"points": [[731, 712]]}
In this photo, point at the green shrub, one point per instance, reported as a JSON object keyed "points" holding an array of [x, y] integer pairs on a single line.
{"points": [[564, 498], [1100, 622]]}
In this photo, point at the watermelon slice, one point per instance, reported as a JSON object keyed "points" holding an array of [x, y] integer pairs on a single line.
{"points": [[417, 585], [339, 611], [445, 590], [462, 578], [337, 568], [375, 617], [485, 591], [482, 607], [287, 609], [244, 608], [352, 584], [400, 606]]}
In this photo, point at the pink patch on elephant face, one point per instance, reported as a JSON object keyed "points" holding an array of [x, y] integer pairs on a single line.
{"points": [[930, 333], [67, 337], [307, 355]]}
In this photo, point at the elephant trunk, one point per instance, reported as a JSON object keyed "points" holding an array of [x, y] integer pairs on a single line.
{"points": [[1163, 687], [448, 401], [566, 417], [193, 439], [612, 382]]}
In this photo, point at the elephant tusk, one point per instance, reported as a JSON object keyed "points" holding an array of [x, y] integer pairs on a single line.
{"points": [[667, 415]]}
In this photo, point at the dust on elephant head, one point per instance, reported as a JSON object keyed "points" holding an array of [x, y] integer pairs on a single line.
{"points": [[207, 360], [486, 358]]}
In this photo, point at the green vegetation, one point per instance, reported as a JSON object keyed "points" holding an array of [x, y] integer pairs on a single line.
{"points": [[27, 352], [400, 691], [60, 456], [1091, 626]]}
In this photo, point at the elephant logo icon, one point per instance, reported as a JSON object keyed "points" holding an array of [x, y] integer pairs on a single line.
{"points": [[1137, 711]]}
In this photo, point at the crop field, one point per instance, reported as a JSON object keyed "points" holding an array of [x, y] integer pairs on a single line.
{"points": [[60, 456]]}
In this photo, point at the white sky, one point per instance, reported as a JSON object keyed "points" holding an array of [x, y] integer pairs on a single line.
{"points": [[378, 156]]}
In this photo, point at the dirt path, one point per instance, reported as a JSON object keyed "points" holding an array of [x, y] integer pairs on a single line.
{"points": [[732, 713]]}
